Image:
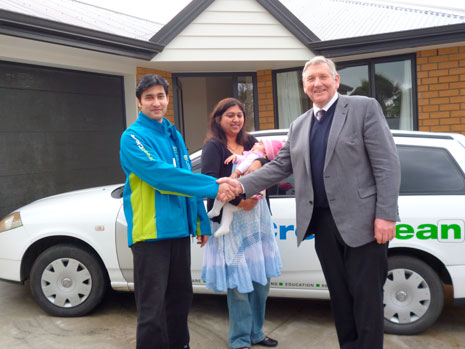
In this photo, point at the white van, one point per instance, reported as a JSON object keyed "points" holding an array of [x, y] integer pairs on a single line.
{"points": [[429, 247], [89, 228]]}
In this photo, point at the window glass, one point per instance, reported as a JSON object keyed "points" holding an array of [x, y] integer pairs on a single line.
{"points": [[196, 164], [284, 188], [245, 95], [354, 81], [393, 84], [292, 100], [429, 171], [392, 87]]}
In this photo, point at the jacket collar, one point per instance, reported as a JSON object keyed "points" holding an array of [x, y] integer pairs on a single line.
{"points": [[163, 127]]}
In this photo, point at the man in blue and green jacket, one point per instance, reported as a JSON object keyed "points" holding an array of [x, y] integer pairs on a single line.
{"points": [[163, 207]]}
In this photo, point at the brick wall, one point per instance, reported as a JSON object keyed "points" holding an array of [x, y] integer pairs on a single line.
{"points": [[142, 71], [441, 89], [265, 99]]}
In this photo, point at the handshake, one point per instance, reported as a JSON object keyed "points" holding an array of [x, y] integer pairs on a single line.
{"points": [[229, 188]]}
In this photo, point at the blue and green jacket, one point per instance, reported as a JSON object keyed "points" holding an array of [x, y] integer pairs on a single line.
{"points": [[162, 197]]}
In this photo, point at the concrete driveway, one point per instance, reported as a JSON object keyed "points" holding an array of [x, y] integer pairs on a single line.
{"points": [[295, 323]]}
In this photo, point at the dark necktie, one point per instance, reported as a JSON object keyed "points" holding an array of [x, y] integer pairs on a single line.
{"points": [[319, 114]]}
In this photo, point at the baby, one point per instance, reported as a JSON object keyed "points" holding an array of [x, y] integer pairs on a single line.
{"points": [[267, 148]]}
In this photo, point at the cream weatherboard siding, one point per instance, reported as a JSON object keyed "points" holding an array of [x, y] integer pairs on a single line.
{"points": [[231, 35]]}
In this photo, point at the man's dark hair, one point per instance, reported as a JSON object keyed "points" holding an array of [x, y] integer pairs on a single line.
{"points": [[148, 81]]}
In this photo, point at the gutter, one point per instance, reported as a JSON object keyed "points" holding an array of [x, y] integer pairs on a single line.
{"points": [[389, 41], [34, 28]]}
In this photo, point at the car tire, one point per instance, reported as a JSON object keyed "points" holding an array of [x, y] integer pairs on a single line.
{"points": [[413, 296], [67, 281]]}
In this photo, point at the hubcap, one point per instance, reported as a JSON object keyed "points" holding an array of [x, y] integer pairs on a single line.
{"points": [[407, 296], [66, 282], [401, 296]]}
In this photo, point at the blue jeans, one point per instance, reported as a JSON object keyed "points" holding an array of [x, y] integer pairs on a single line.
{"points": [[246, 315]]}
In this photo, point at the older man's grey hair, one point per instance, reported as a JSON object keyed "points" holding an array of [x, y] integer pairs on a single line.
{"points": [[320, 60]]}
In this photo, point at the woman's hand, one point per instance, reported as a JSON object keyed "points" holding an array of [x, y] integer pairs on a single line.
{"points": [[232, 158], [248, 204]]}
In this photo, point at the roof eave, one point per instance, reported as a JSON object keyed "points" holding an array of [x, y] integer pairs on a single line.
{"points": [[196, 7], [179, 22], [389, 41], [30, 27]]}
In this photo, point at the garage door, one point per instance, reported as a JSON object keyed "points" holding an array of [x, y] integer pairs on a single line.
{"points": [[59, 131]]}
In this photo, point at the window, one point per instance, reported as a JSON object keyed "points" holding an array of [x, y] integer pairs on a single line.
{"points": [[390, 81], [291, 98], [354, 81], [245, 93], [285, 188], [428, 170]]}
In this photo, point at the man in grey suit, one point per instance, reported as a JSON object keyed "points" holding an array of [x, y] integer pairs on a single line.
{"points": [[347, 178]]}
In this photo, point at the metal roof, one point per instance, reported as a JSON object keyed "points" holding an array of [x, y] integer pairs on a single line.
{"points": [[329, 27], [337, 19], [327, 19], [84, 15]]}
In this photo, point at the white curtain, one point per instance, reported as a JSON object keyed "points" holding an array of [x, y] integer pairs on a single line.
{"points": [[289, 101], [406, 108]]}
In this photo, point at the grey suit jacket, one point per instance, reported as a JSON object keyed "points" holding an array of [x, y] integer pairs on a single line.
{"points": [[361, 171]]}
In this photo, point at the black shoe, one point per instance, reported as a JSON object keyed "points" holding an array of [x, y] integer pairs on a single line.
{"points": [[268, 342]]}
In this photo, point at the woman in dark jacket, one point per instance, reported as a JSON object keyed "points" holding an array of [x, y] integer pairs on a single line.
{"points": [[242, 262]]}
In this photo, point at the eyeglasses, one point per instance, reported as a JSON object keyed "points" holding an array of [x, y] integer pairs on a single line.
{"points": [[231, 115]]}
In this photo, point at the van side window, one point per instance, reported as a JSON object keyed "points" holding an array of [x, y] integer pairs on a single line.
{"points": [[284, 188], [196, 165], [428, 170]]}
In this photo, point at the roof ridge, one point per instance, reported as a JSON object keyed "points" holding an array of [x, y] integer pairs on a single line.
{"points": [[402, 7], [120, 13]]}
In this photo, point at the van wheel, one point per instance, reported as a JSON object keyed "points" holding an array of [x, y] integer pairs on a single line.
{"points": [[413, 296], [67, 281]]}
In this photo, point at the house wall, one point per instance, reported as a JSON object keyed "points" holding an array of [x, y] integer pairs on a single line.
{"points": [[265, 100], [232, 33], [168, 77], [441, 89]]}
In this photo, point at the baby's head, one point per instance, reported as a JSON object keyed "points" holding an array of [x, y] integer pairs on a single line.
{"points": [[272, 147], [259, 147]]}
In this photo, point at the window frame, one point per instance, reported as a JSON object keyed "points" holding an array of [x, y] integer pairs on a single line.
{"points": [[370, 62], [234, 77], [275, 90]]}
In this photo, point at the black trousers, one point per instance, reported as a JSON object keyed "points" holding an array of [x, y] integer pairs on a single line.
{"points": [[355, 277], [163, 292]]}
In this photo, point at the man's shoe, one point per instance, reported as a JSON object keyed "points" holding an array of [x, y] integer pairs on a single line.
{"points": [[268, 342]]}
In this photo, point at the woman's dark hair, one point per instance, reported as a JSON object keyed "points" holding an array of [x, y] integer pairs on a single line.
{"points": [[215, 130], [148, 81]]}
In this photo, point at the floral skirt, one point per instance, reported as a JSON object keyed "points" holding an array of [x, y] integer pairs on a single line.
{"points": [[249, 253]]}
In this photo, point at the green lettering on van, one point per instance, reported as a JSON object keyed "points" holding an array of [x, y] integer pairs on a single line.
{"points": [[404, 231], [445, 228], [441, 232], [428, 231]]}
